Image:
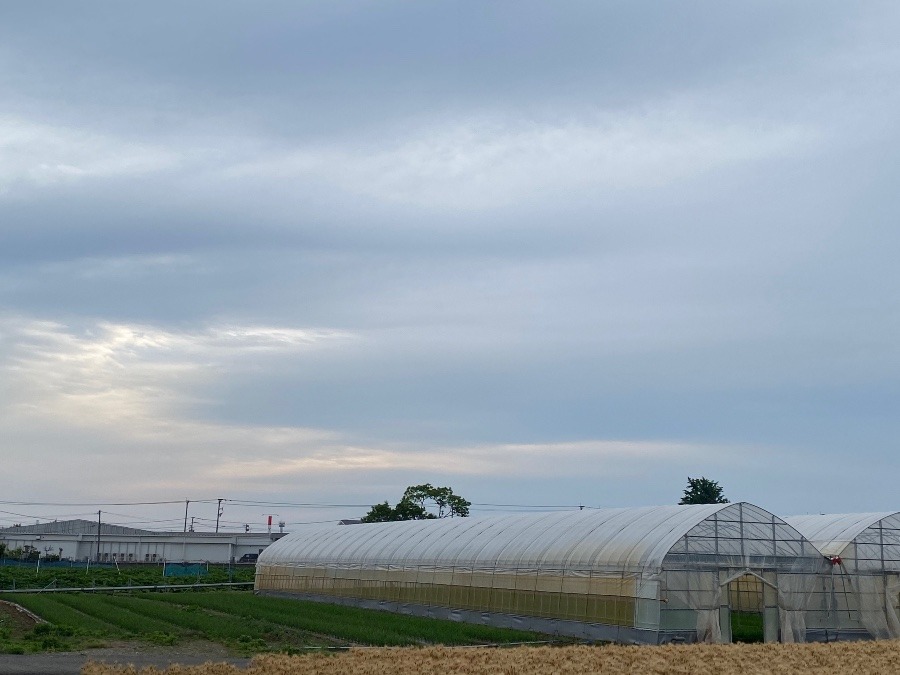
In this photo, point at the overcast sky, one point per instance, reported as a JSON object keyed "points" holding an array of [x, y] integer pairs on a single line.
{"points": [[546, 253]]}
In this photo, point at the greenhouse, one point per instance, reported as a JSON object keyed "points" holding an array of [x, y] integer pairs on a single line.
{"points": [[861, 592], [710, 573]]}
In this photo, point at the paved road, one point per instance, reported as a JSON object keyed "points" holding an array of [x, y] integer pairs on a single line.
{"points": [[70, 663]]}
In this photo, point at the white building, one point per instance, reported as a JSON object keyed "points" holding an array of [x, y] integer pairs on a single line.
{"points": [[79, 540]]}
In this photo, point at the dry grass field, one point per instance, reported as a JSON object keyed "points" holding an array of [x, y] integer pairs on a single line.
{"points": [[860, 658]]}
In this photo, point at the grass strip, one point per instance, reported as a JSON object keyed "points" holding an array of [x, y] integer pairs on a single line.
{"points": [[59, 612], [223, 627], [136, 575], [352, 624], [250, 623], [120, 610]]}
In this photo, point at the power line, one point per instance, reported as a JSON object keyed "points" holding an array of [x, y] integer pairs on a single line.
{"points": [[245, 502], [22, 515], [309, 505], [174, 501], [532, 506], [255, 503], [132, 521]]}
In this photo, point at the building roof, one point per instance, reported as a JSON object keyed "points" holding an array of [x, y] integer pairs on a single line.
{"points": [[832, 533], [78, 526], [634, 539]]}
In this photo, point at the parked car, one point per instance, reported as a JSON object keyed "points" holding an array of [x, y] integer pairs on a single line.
{"points": [[249, 557]]}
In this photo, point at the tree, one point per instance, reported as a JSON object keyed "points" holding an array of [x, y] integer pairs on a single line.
{"points": [[420, 502], [703, 491], [380, 513]]}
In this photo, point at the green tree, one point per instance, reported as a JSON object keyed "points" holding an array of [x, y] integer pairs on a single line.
{"points": [[380, 513], [420, 502], [703, 491]]}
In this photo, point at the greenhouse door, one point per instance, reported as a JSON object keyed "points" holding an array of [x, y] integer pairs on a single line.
{"points": [[746, 609]]}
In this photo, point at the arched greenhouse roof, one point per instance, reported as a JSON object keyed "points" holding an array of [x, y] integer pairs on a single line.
{"points": [[629, 539], [832, 533]]}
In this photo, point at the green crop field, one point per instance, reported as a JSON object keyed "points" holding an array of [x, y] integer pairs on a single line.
{"points": [[33, 576], [240, 620]]}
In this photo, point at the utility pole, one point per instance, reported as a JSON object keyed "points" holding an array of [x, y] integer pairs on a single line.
{"points": [[98, 536], [186, 502], [192, 523], [219, 514]]}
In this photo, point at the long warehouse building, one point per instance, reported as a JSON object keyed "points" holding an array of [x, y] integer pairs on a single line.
{"points": [[78, 540]]}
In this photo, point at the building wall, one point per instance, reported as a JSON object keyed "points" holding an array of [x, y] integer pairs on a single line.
{"points": [[221, 548]]}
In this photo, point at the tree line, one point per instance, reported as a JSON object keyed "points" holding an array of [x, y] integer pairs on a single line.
{"points": [[426, 502]]}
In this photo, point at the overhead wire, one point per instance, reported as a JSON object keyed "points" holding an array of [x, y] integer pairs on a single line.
{"points": [[258, 502], [156, 503], [145, 522]]}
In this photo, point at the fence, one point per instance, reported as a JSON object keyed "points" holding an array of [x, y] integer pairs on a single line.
{"points": [[73, 564], [104, 589]]}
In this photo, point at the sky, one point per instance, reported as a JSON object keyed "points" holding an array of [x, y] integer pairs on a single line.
{"points": [[300, 255]]}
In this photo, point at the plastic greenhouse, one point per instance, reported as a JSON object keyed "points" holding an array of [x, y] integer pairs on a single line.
{"points": [[861, 593], [649, 575]]}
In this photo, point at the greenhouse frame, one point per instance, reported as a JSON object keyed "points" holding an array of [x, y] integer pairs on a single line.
{"points": [[860, 595], [636, 575]]}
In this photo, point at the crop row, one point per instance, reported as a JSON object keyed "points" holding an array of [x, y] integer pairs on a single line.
{"points": [[246, 622], [350, 623], [20, 577]]}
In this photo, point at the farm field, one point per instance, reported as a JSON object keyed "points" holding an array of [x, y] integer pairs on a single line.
{"points": [[243, 622], [861, 658], [32, 576]]}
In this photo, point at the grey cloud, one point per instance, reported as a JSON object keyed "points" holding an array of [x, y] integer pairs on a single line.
{"points": [[542, 224], [318, 68]]}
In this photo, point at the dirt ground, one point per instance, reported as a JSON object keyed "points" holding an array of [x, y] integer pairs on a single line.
{"points": [[139, 654], [16, 618], [859, 658]]}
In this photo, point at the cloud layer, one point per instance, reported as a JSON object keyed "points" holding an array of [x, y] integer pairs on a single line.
{"points": [[548, 255]]}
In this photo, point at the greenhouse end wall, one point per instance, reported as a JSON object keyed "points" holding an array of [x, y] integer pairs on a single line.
{"points": [[860, 596], [629, 575]]}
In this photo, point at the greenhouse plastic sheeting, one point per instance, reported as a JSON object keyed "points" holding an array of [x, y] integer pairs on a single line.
{"points": [[864, 586], [645, 574], [622, 540], [831, 533]]}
